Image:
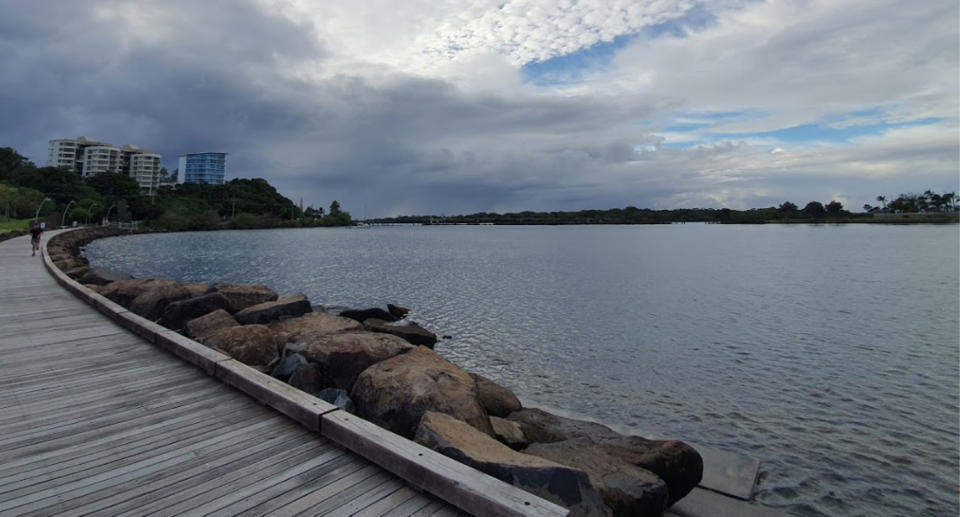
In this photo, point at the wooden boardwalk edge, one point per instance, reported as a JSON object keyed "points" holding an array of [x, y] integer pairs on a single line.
{"points": [[458, 484]]}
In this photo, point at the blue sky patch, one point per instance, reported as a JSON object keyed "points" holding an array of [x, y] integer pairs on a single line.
{"points": [[570, 68]]}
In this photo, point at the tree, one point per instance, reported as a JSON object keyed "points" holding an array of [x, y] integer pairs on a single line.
{"points": [[334, 208], [114, 186], [12, 162], [834, 208], [882, 199], [867, 207], [787, 207], [814, 209]]}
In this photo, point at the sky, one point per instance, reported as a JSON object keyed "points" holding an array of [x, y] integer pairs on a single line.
{"points": [[454, 107]]}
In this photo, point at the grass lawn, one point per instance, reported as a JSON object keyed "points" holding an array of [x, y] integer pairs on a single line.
{"points": [[13, 224]]}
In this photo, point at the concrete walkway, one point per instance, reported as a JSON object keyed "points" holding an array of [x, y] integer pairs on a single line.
{"points": [[96, 421]]}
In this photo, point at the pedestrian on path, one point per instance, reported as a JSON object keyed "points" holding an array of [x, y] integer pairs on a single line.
{"points": [[35, 232]]}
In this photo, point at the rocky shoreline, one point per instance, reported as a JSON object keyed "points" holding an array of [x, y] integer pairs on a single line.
{"points": [[381, 367]]}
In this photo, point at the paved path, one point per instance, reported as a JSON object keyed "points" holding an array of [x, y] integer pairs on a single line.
{"points": [[96, 421]]}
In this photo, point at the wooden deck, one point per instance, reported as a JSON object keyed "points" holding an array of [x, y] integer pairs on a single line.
{"points": [[96, 421]]}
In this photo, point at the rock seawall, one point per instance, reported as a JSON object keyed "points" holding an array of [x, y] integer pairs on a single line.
{"points": [[395, 379]]}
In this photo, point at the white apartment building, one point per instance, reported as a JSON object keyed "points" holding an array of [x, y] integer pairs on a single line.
{"points": [[88, 157]]}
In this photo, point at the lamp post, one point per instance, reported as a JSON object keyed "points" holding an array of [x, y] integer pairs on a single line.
{"points": [[64, 218], [37, 216], [90, 211], [107, 218]]}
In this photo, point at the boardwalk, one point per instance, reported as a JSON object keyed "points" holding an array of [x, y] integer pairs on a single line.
{"points": [[95, 421]]}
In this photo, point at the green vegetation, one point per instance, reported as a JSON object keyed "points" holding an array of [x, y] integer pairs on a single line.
{"points": [[7, 225], [787, 212], [240, 203]]}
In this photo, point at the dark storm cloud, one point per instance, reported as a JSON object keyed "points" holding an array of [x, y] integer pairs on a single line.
{"points": [[178, 76]]}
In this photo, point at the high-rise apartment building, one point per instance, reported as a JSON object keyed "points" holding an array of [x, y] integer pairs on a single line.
{"points": [[206, 168], [88, 157]]}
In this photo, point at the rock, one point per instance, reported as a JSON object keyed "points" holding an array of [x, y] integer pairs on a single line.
{"points": [[101, 276], [508, 432], [151, 303], [365, 314], [306, 378], [198, 328], [561, 484], [413, 333], [197, 289], [395, 393], [313, 325], [398, 311], [178, 313], [497, 400], [343, 356], [77, 272], [124, 291], [627, 489], [337, 397], [253, 345], [287, 366], [288, 305], [676, 463], [242, 296]]}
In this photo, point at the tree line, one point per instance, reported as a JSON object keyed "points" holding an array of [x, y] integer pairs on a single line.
{"points": [[27, 191], [929, 201]]}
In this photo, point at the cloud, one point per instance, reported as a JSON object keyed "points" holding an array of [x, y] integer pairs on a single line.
{"points": [[427, 110]]}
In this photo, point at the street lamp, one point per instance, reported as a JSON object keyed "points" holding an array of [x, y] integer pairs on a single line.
{"points": [[90, 211], [37, 217], [64, 218], [107, 218]]}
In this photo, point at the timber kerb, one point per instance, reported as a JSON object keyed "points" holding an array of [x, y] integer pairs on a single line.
{"points": [[458, 484]]}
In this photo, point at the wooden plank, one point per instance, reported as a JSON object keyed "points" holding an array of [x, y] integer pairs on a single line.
{"points": [[249, 487], [152, 493], [295, 488], [41, 501], [143, 494], [428, 470], [182, 501], [331, 490], [296, 404], [397, 498]]}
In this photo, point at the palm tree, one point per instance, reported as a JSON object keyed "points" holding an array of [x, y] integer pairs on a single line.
{"points": [[882, 199]]}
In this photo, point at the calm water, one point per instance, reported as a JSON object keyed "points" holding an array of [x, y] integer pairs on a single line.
{"points": [[828, 352]]}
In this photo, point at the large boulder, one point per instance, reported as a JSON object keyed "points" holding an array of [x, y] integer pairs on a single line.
{"points": [[497, 400], [313, 325], [253, 345], [307, 378], [676, 463], [242, 296], [286, 306], [177, 314], [508, 433], [197, 289], [397, 310], [199, 328], [561, 484], [395, 393], [410, 331], [362, 315], [101, 276], [627, 489], [124, 291], [151, 303], [342, 357]]}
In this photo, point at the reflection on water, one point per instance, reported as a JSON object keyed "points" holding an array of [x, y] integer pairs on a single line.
{"points": [[828, 352]]}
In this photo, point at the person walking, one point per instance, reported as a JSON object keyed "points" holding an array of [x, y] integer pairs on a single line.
{"points": [[35, 232]]}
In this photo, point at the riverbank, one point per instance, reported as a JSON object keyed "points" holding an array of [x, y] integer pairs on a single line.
{"points": [[305, 360]]}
